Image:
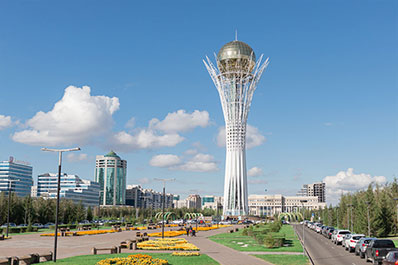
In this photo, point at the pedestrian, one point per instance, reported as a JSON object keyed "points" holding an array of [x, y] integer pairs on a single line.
{"points": [[187, 230], [193, 232]]}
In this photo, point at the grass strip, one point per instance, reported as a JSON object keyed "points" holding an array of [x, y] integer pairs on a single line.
{"points": [[173, 260], [240, 242], [285, 259]]}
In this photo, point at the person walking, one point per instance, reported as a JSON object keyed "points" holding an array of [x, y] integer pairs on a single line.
{"points": [[187, 230]]}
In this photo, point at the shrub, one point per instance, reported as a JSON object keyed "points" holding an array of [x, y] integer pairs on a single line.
{"points": [[269, 241], [275, 226], [245, 232]]}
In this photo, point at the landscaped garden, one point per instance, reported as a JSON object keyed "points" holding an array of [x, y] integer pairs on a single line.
{"points": [[272, 237], [171, 259]]}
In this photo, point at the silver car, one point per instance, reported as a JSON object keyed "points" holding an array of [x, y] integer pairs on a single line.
{"points": [[362, 244]]}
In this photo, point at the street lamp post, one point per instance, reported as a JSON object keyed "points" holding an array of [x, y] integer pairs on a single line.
{"points": [[59, 151], [350, 219], [164, 200], [302, 203], [368, 206], [396, 199], [9, 202]]}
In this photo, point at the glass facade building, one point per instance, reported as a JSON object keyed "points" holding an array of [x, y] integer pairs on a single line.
{"points": [[72, 188], [110, 173], [20, 175]]}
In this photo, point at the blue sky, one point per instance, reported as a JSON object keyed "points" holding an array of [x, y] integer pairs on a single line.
{"points": [[326, 103]]}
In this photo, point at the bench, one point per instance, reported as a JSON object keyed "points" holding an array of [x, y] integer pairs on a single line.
{"points": [[46, 256], [113, 250], [28, 259], [145, 238], [125, 244], [6, 261], [137, 234]]}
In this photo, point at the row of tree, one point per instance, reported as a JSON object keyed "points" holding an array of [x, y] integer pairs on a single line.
{"points": [[30, 210], [374, 209]]}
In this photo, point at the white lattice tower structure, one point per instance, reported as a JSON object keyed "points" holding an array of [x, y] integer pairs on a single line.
{"points": [[236, 77]]}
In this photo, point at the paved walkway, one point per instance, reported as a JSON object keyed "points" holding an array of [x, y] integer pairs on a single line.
{"points": [[21, 245]]}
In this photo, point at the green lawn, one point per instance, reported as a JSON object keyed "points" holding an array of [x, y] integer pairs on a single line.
{"points": [[240, 242], [173, 260], [285, 259]]}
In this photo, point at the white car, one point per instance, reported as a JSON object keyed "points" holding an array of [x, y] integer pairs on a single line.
{"points": [[346, 238], [178, 222], [338, 238], [350, 244]]}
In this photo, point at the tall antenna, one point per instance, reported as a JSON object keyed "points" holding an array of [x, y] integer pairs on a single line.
{"points": [[236, 34]]}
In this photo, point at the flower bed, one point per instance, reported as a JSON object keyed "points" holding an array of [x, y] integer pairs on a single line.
{"points": [[167, 244], [138, 259], [185, 254], [83, 233], [168, 234]]}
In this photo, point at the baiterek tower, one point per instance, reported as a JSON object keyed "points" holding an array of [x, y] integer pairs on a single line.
{"points": [[236, 77]]}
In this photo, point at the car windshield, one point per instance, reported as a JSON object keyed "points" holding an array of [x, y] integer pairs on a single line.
{"points": [[344, 232]]}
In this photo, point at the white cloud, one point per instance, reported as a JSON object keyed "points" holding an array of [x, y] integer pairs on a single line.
{"points": [[5, 121], [165, 160], [144, 139], [348, 181], [191, 152], [130, 123], [198, 163], [328, 124], [144, 180], [181, 121], [257, 181], [198, 166], [255, 172], [253, 137], [72, 157], [75, 119]]}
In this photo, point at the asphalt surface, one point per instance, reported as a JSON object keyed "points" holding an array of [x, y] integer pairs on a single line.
{"points": [[323, 252]]}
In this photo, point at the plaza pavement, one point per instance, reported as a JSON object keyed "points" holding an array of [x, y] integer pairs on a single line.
{"points": [[21, 245]]}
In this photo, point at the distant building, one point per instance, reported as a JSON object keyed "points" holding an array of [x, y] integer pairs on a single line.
{"points": [[314, 189], [110, 173], [20, 175], [212, 202], [269, 205], [147, 198], [72, 188], [194, 201], [33, 191]]}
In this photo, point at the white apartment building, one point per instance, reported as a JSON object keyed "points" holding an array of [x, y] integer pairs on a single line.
{"points": [[269, 205]]}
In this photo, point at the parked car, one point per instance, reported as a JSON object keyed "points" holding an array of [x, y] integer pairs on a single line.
{"points": [[318, 228], [378, 249], [10, 225], [48, 225], [338, 236], [330, 232], [38, 225], [225, 223], [391, 258], [362, 244], [351, 243], [346, 238]]}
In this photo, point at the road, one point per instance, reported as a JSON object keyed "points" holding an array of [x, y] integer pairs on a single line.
{"points": [[324, 252]]}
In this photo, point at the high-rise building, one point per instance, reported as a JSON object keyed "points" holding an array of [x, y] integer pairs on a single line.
{"points": [[236, 77], [72, 188], [314, 189], [147, 198], [212, 202], [19, 174], [110, 173], [194, 201]]}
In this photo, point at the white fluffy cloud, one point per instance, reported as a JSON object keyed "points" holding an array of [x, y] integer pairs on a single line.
{"points": [[198, 163], [255, 172], [145, 139], [164, 133], [181, 121], [75, 119], [257, 181], [348, 181], [72, 157], [5, 121], [165, 160], [253, 137]]}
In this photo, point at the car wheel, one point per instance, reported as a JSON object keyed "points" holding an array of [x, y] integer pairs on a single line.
{"points": [[361, 255], [356, 253]]}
